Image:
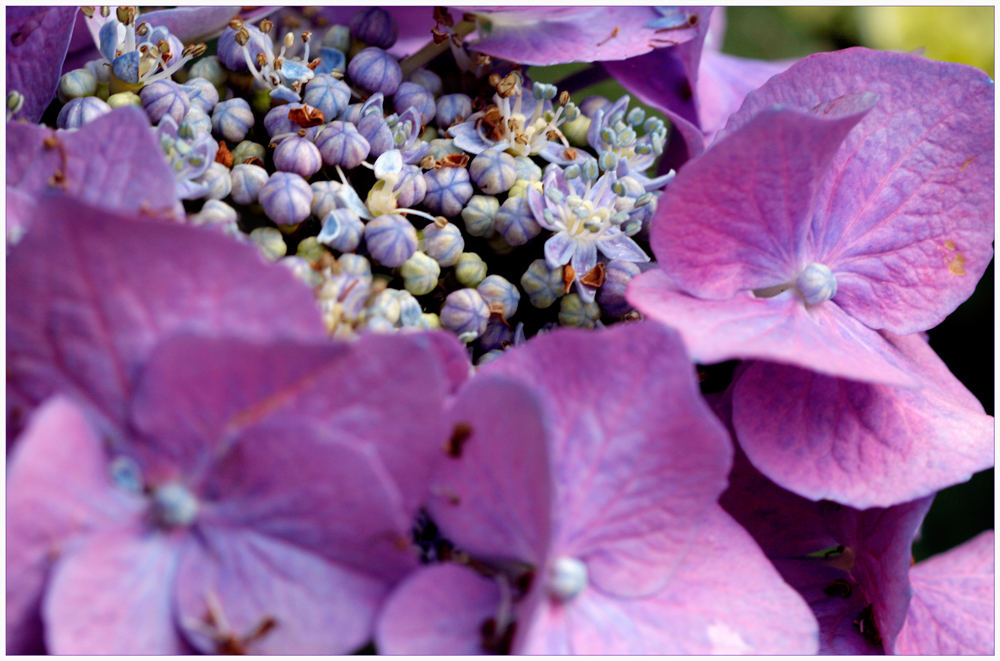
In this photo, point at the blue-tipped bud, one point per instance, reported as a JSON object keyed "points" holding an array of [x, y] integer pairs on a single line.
{"points": [[420, 274], [526, 169], [590, 170], [470, 269], [411, 95], [391, 240], [452, 108], [342, 230], [497, 291], [217, 181], [442, 243], [571, 113], [635, 116], [479, 213], [341, 144], [330, 60], [494, 171], [374, 70], [544, 92], [270, 242], [374, 26], [542, 284], [209, 68], [608, 136], [571, 172], [448, 190], [515, 222], [327, 94], [247, 182], [286, 198], [232, 119], [465, 313], [298, 155], [81, 111]]}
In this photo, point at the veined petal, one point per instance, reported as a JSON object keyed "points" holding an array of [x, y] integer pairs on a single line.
{"points": [[558, 249], [619, 246]]}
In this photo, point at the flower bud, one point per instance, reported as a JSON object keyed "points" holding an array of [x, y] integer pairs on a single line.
{"points": [[498, 290], [515, 222], [420, 274], [286, 198], [247, 182], [374, 70], [76, 84], [611, 295], [81, 111], [270, 242], [427, 79], [494, 171], [340, 143], [342, 230], [443, 243], [465, 313], [123, 99], [391, 240], [210, 69], [327, 94], [542, 284], [470, 269], [479, 213], [195, 123], [202, 94], [411, 95], [575, 313], [164, 97], [338, 37], [298, 155], [374, 26], [218, 181], [230, 51], [817, 283], [526, 169], [232, 119], [247, 150], [448, 190]]}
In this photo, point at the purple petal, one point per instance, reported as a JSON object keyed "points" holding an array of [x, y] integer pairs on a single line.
{"points": [[781, 329], [905, 214], [624, 248], [58, 487], [415, 24], [723, 83], [862, 444], [37, 39], [113, 594], [437, 610], [316, 607], [559, 249], [584, 258], [553, 35], [191, 24], [725, 597], [951, 611], [738, 214], [92, 292], [493, 498], [116, 164], [634, 472]]}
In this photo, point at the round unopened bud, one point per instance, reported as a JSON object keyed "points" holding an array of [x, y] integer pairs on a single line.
{"points": [[286, 198], [327, 94], [374, 70], [374, 26], [338, 37], [465, 313], [420, 274], [470, 269], [391, 240], [123, 99], [567, 578], [448, 189], [162, 98], [494, 171], [210, 69], [174, 505], [270, 242], [76, 84], [247, 182], [611, 295], [214, 212], [592, 104], [497, 290], [341, 144], [324, 197], [542, 284], [443, 243], [574, 312], [202, 94], [81, 111], [247, 150], [342, 230], [232, 119], [478, 215], [427, 79], [411, 95], [515, 222], [817, 283], [218, 181], [195, 123], [298, 155]]}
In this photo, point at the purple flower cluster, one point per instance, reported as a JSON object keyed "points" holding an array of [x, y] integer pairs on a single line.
{"points": [[286, 373]]}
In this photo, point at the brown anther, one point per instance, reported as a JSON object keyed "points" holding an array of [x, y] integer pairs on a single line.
{"points": [[105, 11], [242, 36], [236, 23], [522, 139], [290, 21], [563, 98], [50, 142], [443, 17], [594, 277], [321, 21], [87, 11], [438, 36], [306, 36], [440, 222], [306, 116], [277, 62], [261, 59], [315, 63], [223, 155], [142, 29], [570, 154], [266, 26], [552, 134], [453, 161], [494, 80], [568, 276], [58, 179], [508, 86], [614, 33], [194, 50], [428, 163], [163, 46], [254, 160], [459, 436], [126, 15]]}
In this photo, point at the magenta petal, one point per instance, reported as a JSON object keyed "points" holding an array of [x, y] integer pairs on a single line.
{"points": [[37, 39], [861, 444], [115, 164], [91, 293], [725, 597], [951, 611], [437, 610], [638, 457], [114, 595], [905, 216], [737, 217], [247, 578], [723, 83], [781, 329], [551, 35], [58, 487], [453, 357], [490, 494]]}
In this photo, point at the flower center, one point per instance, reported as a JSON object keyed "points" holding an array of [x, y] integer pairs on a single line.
{"points": [[567, 578], [816, 283], [174, 505]]}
